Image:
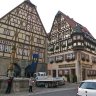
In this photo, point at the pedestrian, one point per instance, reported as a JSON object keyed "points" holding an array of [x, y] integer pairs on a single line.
{"points": [[30, 84], [9, 85]]}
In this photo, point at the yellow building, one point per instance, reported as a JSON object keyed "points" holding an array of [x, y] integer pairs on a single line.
{"points": [[71, 50], [22, 34]]}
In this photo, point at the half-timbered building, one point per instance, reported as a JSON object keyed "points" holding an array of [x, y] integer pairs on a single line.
{"points": [[71, 50], [22, 28]]}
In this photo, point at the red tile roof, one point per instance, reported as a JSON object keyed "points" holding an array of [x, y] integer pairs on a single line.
{"points": [[73, 23]]}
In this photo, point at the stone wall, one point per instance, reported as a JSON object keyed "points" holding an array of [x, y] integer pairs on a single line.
{"points": [[4, 62], [19, 84]]}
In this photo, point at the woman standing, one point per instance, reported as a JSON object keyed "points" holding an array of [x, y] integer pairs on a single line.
{"points": [[30, 84]]}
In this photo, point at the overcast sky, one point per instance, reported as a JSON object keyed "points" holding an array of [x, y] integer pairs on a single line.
{"points": [[82, 11]]}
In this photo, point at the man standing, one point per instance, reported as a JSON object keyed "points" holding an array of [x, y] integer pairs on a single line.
{"points": [[9, 86]]}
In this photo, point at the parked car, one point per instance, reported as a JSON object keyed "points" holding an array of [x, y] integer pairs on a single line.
{"points": [[87, 88]]}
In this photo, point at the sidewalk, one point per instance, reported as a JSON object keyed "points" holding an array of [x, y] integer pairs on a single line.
{"points": [[41, 90]]}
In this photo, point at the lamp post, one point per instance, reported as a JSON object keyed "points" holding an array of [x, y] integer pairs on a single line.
{"points": [[11, 65]]}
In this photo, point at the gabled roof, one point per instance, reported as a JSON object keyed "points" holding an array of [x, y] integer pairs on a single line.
{"points": [[70, 21], [73, 23], [27, 1]]}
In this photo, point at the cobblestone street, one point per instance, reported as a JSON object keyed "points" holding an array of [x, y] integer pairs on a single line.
{"points": [[40, 90]]}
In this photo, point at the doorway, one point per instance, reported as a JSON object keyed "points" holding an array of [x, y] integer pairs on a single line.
{"points": [[54, 73], [73, 76], [83, 74]]}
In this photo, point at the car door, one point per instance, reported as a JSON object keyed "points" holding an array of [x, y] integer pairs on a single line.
{"points": [[91, 92]]}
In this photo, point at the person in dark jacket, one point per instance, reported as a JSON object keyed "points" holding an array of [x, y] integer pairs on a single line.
{"points": [[9, 86]]}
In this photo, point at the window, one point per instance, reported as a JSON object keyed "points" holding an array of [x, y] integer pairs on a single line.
{"points": [[40, 55], [81, 37], [1, 47], [59, 58], [25, 52], [38, 40], [88, 85], [6, 49], [79, 43], [74, 44], [83, 56], [74, 37], [63, 44], [51, 59], [70, 40], [60, 36], [20, 51], [70, 56], [87, 57], [37, 49], [6, 32], [78, 37], [56, 47], [27, 38]]}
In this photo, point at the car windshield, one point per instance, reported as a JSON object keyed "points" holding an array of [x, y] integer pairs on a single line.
{"points": [[88, 85]]}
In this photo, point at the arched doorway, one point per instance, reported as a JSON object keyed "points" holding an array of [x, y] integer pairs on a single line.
{"points": [[17, 70]]}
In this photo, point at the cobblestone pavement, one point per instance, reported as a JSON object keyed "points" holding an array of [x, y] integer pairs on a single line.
{"points": [[40, 90]]}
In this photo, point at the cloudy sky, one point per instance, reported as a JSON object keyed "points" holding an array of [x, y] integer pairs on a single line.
{"points": [[82, 11]]}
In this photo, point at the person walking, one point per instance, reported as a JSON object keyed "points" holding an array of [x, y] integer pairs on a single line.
{"points": [[9, 86], [30, 84]]}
